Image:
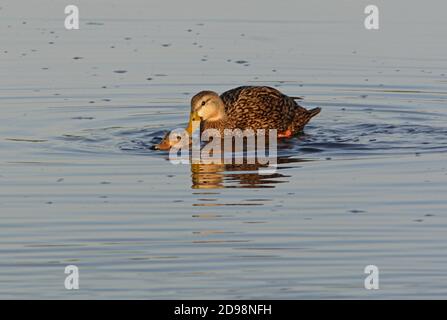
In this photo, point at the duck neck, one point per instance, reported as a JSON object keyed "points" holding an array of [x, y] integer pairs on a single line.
{"points": [[219, 124], [217, 118]]}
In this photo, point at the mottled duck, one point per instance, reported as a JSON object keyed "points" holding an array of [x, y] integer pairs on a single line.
{"points": [[247, 107]]}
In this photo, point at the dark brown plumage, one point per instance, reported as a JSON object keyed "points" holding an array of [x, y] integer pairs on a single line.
{"points": [[247, 107], [256, 107]]}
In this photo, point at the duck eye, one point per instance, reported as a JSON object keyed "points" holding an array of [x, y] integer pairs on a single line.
{"points": [[203, 103]]}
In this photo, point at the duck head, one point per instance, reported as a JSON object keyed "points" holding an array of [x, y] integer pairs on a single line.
{"points": [[168, 142], [205, 106]]}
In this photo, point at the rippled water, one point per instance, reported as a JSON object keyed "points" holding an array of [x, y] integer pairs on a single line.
{"points": [[79, 183]]}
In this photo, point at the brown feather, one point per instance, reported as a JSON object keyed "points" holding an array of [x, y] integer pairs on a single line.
{"points": [[260, 107]]}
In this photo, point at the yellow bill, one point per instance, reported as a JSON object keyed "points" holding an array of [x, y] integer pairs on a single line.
{"points": [[194, 122]]}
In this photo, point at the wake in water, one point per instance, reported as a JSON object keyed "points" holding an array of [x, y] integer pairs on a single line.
{"points": [[334, 135]]}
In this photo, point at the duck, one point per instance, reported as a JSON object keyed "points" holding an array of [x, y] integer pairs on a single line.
{"points": [[247, 107]]}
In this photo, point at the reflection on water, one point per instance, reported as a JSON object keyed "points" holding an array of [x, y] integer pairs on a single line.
{"points": [[80, 185], [215, 176]]}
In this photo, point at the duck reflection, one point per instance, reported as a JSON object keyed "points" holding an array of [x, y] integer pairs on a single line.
{"points": [[216, 176]]}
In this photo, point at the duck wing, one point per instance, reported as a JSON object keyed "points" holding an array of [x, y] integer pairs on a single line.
{"points": [[259, 107]]}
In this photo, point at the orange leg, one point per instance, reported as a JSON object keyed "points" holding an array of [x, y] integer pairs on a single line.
{"points": [[285, 134]]}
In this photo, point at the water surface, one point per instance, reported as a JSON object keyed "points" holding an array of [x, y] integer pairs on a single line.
{"points": [[79, 184]]}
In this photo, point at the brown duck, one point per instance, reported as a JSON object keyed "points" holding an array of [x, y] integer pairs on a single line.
{"points": [[248, 107]]}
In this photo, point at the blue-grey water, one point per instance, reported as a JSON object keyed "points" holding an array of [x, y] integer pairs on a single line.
{"points": [[79, 185]]}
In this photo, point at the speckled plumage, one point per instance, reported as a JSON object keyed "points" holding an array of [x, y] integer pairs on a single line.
{"points": [[247, 107], [259, 107]]}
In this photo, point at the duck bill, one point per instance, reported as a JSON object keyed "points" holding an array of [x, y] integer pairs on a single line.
{"points": [[194, 123]]}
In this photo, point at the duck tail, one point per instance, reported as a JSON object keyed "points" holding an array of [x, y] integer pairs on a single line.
{"points": [[313, 112], [302, 117]]}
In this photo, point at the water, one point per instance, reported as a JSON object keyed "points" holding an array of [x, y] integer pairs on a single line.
{"points": [[80, 185]]}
